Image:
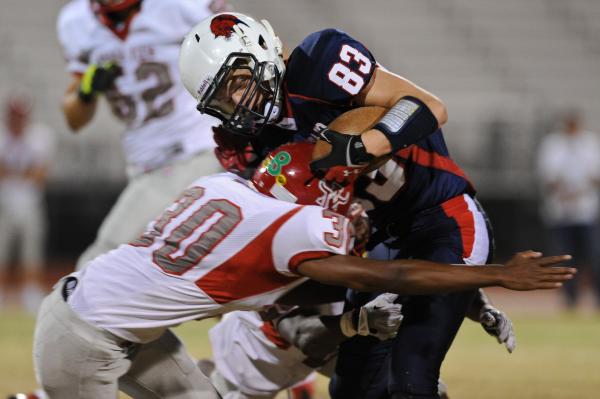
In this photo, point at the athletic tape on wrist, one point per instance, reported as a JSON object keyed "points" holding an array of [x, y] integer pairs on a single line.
{"points": [[347, 325], [363, 322]]}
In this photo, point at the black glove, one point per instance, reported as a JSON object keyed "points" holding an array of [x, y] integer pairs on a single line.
{"points": [[346, 150], [98, 79]]}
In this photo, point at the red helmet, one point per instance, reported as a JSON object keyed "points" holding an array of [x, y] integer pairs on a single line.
{"points": [[285, 174], [116, 14]]}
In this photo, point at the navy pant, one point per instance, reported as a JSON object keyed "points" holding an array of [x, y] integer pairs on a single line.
{"points": [[409, 365]]}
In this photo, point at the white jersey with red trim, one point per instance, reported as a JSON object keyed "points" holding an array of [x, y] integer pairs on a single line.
{"points": [[247, 358], [160, 117], [221, 246], [250, 354]]}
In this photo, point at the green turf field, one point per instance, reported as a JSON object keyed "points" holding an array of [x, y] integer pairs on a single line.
{"points": [[556, 357]]}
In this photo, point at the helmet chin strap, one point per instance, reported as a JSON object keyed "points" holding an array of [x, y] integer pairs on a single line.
{"points": [[274, 114]]}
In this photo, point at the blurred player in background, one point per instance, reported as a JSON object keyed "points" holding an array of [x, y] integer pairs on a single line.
{"points": [[224, 245], [26, 151], [126, 50], [569, 168], [420, 202]]}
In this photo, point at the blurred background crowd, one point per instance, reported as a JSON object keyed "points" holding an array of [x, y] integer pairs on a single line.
{"points": [[520, 79]]}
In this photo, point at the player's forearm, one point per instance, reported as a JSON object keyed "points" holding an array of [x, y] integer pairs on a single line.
{"points": [[313, 293], [525, 271], [403, 277], [77, 113], [415, 277], [376, 143], [478, 303], [332, 322]]}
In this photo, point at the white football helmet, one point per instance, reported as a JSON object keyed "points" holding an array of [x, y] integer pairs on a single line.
{"points": [[217, 49]]}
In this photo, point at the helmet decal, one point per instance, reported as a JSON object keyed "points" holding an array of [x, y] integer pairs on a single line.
{"points": [[210, 56], [278, 161], [285, 174], [222, 25]]}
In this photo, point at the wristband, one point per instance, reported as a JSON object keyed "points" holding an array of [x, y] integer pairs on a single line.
{"points": [[86, 90], [407, 122], [358, 152]]}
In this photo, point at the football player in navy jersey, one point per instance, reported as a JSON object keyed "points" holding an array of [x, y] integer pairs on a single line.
{"points": [[420, 202]]}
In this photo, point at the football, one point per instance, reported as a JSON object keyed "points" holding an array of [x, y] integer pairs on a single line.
{"points": [[353, 122]]}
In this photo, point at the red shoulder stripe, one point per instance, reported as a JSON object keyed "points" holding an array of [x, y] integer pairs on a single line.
{"points": [[250, 271]]}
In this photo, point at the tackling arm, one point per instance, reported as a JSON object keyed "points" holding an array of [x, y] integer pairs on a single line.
{"points": [[525, 271]]}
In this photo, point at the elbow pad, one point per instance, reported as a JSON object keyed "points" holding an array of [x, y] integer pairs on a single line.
{"points": [[407, 122]]}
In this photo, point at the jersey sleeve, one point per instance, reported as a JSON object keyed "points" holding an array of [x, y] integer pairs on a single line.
{"points": [[312, 233], [73, 26], [330, 66]]}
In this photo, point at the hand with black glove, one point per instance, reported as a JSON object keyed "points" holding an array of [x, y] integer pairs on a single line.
{"points": [[98, 78], [497, 324], [346, 150]]}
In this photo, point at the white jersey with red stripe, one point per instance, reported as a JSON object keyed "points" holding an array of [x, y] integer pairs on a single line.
{"points": [[160, 117], [221, 246], [250, 353], [246, 357]]}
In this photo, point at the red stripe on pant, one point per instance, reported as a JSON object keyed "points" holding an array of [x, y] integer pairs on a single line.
{"points": [[457, 208]]}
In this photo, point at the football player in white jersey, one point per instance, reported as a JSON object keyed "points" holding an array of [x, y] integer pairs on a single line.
{"points": [[256, 356], [226, 244], [127, 51]]}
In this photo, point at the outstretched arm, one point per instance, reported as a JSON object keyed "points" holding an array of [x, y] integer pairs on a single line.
{"points": [[525, 271]]}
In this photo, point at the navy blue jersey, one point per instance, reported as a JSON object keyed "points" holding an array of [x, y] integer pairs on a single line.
{"points": [[324, 74], [416, 179]]}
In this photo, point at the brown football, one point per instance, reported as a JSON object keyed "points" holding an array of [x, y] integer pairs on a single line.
{"points": [[353, 122]]}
